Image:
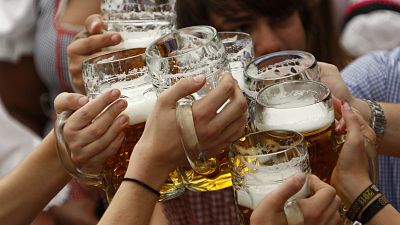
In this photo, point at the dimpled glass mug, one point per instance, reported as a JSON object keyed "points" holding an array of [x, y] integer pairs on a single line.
{"points": [[260, 162], [125, 70], [183, 53], [138, 21]]}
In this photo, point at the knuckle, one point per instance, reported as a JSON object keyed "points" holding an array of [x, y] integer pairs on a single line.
{"points": [[200, 114]]}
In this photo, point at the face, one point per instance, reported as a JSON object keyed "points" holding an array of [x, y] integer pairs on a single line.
{"points": [[269, 35]]}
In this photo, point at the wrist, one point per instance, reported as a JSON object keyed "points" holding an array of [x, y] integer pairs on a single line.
{"points": [[147, 169], [362, 107], [351, 194]]}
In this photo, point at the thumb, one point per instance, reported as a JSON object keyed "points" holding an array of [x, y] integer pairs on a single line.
{"points": [[69, 102], [276, 199], [182, 88]]}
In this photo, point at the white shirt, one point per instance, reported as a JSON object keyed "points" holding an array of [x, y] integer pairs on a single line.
{"points": [[16, 142], [17, 25]]}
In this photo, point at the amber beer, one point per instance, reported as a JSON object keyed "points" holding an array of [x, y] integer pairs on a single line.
{"points": [[139, 108], [216, 180], [316, 123]]}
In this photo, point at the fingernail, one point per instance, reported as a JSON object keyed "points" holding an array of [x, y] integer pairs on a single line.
{"points": [[123, 119], [346, 106], [83, 100], [115, 93], [122, 104], [93, 26], [300, 176], [199, 78], [115, 38]]}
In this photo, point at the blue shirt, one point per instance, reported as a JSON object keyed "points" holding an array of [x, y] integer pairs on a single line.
{"points": [[376, 76]]}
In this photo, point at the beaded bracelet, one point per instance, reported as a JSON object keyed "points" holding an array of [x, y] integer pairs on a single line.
{"points": [[372, 209], [361, 201], [141, 183]]}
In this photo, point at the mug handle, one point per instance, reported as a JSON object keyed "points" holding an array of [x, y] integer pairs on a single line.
{"points": [[64, 154], [198, 160]]}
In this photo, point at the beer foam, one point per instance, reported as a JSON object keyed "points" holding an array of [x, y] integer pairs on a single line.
{"points": [[141, 100], [301, 119], [267, 182]]}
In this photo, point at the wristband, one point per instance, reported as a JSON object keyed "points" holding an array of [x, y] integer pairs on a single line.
{"points": [[141, 183], [374, 208], [361, 201]]}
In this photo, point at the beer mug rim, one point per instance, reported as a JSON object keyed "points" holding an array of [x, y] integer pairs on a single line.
{"points": [[260, 59], [96, 60], [195, 29], [244, 34], [325, 97], [298, 142]]}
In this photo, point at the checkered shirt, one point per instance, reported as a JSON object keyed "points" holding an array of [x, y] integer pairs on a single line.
{"points": [[202, 208], [376, 76]]}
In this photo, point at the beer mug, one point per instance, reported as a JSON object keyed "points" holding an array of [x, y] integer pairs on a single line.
{"points": [[125, 70], [138, 21], [278, 67], [239, 52], [306, 107], [260, 162], [189, 52]]}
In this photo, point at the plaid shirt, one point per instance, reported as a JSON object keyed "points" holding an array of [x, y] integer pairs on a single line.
{"points": [[376, 76], [202, 208]]}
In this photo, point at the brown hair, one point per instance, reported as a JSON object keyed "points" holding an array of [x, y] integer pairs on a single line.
{"points": [[316, 15]]}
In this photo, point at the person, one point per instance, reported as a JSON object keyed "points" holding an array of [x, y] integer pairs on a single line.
{"points": [[351, 178], [57, 22], [21, 89], [45, 180], [274, 25], [350, 175], [364, 20], [374, 76]]}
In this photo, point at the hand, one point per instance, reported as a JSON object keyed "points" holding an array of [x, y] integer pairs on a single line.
{"points": [[332, 78], [320, 208], [350, 176], [160, 145], [87, 46], [94, 131]]}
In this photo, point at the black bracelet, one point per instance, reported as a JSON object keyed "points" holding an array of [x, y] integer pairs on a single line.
{"points": [[361, 201], [141, 183], [372, 209]]}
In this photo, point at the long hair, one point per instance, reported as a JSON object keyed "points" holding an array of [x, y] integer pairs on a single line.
{"points": [[316, 15]]}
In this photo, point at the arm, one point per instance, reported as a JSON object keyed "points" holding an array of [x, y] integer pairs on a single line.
{"points": [[330, 75], [27, 190], [350, 176], [159, 150]]}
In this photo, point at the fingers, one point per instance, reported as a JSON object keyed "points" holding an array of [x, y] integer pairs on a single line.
{"points": [[323, 205], [354, 135], [276, 199], [92, 44], [181, 89], [217, 97], [69, 102], [91, 110], [94, 24]]}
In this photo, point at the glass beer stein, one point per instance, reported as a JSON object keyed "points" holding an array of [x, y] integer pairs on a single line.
{"points": [[138, 21], [306, 107], [125, 70], [278, 67], [186, 52], [239, 52], [260, 162]]}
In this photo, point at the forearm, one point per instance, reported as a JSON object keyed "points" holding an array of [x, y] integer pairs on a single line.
{"points": [[391, 138], [134, 204], [28, 189], [387, 215]]}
